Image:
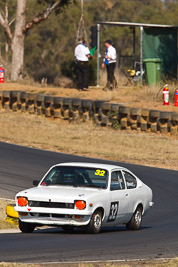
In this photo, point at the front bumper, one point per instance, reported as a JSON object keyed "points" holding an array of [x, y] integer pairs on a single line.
{"points": [[52, 216]]}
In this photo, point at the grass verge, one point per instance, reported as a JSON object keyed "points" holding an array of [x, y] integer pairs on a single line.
{"points": [[88, 140], [156, 263], [133, 96]]}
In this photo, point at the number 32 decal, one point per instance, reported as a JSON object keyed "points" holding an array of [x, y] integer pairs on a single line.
{"points": [[113, 211], [99, 172]]}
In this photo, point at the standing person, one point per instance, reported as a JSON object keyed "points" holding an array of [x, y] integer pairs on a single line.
{"points": [[82, 55], [110, 62]]}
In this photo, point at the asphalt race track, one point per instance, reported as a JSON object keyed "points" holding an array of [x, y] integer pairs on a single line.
{"points": [[158, 238]]}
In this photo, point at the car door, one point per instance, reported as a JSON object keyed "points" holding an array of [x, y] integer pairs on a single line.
{"points": [[131, 185], [119, 199]]}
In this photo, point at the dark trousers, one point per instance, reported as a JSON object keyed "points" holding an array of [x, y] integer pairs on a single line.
{"points": [[111, 80], [82, 74]]}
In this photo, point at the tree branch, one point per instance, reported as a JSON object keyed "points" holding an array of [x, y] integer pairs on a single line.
{"points": [[5, 25], [42, 16]]}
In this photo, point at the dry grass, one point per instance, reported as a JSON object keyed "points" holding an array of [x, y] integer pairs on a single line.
{"points": [[3, 223], [88, 140], [131, 96], [158, 263]]}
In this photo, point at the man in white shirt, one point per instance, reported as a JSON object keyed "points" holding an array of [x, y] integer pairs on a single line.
{"points": [[110, 62], [82, 55]]}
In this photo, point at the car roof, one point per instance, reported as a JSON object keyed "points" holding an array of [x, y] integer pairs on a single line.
{"points": [[91, 165]]}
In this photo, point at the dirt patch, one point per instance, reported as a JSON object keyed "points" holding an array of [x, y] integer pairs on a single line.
{"points": [[87, 139]]}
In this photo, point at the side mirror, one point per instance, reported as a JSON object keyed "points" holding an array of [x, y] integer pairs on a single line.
{"points": [[36, 182]]}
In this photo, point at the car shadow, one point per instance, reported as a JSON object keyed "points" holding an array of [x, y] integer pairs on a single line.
{"points": [[76, 231]]}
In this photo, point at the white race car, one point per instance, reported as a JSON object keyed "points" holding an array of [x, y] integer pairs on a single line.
{"points": [[84, 195]]}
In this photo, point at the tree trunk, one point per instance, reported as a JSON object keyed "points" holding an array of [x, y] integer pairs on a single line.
{"points": [[18, 42]]}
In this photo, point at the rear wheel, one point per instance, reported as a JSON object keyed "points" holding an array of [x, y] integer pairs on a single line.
{"points": [[26, 227], [95, 224], [136, 220]]}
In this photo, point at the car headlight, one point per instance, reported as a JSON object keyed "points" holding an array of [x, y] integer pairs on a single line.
{"points": [[80, 204], [22, 201]]}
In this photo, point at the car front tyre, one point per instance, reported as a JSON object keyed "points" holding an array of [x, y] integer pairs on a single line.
{"points": [[26, 227], [94, 227], [136, 220]]}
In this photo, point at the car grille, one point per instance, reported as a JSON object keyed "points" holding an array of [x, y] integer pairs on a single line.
{"points": [[47, 215], [43, 204]]}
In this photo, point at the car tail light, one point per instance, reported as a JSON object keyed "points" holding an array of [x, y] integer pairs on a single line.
{"points": [[22, 201], [80, 204]]}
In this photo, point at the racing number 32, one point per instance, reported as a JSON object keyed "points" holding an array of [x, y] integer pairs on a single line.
{"points": [[113, 211], [100, 172]]}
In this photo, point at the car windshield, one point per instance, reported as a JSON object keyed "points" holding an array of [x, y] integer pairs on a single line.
{"points": [[76, 177]]}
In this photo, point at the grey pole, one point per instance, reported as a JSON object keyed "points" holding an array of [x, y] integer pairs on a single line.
{"points": [[141, 55], [98, 55]]}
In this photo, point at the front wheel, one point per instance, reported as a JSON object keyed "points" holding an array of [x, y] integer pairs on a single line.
{"points": [[26, 227], [136, 220], [94, 226]]}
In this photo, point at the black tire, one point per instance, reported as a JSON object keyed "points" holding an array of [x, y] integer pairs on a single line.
{"points": [[6, 94], [145, 112], [40, 98], [57, 101], [23, 96], [106, 106], [98, 104], [87, 103], [67, 101], [174, 116], [68, 228], [165, 115], [31, 96], [154, 114], [76, 102], [136, 220], [124, 110], [135, 111], [48, 99], [26, 227], [15, 94], [94, 227]]}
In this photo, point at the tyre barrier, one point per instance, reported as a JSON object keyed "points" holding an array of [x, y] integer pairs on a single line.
{"points": [[30, 103], [103, 113], [76, 107], [48, 106], [135, 114], [144, 119], [23, 101], [86, 111], [66, 110], [153, 120], [124, 117], [57, 105], [6, 100], [39, 104]]}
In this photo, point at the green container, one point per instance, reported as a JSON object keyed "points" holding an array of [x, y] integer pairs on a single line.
{"points": [[153, 70]]}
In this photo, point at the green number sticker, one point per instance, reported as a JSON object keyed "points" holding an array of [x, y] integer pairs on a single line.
{"points": [[99, 172]]}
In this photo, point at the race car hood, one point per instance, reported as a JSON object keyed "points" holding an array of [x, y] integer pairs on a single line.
{"points": [[58, 194]]}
